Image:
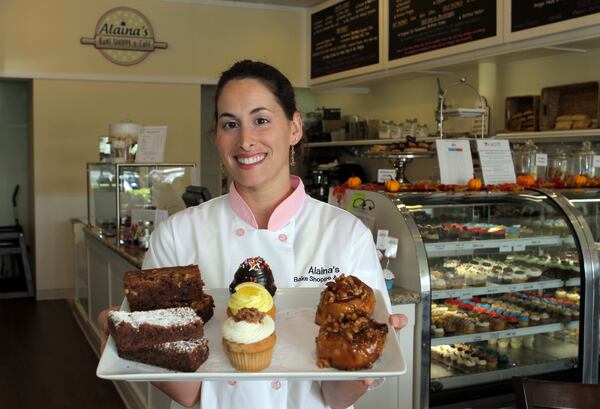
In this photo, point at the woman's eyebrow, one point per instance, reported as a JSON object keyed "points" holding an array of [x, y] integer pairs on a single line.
{"points": [[226, 114], [258, 109]]}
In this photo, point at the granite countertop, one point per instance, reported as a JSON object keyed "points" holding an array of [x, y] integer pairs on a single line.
{"points": [[400, 295], [132, 255]]}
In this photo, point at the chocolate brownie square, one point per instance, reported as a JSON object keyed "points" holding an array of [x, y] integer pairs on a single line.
{"points": [[183, 356]]}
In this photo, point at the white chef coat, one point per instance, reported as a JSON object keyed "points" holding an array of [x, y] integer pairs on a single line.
{"points": [[307, 243]]}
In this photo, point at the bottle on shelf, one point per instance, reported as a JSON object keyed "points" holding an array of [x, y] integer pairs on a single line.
{"points": [[526, 161], [558, 165], [582, 160]]}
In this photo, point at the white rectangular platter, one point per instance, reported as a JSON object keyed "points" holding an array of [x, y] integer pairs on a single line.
{"points": [[294, 356]]}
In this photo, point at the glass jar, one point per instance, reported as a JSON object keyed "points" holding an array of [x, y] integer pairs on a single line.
{"points": [[582, 160], [525, 160], [558, 166]]}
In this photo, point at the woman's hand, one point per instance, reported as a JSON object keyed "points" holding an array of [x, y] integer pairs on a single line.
{"points": [[103, 324], [398, 321]]}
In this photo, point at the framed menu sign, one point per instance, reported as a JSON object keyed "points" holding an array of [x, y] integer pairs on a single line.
{"points": [[527, 14], [416, 26], [344, 38], [527, 19]]}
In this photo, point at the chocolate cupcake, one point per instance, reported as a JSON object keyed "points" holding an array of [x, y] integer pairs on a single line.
{"points": [[255, 270]]}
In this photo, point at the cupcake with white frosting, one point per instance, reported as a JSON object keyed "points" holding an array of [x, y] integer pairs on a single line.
{"points": [[248, 339]]}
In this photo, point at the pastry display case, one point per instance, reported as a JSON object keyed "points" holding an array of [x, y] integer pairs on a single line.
{"points": [[115, 190], [508, 284]]}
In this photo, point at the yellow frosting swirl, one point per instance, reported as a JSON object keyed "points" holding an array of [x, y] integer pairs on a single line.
{"points": [[250, 296]]}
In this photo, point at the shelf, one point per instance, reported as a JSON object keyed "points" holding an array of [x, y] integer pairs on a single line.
{"points": [[400, 155], [484, 336], [547, 355], [575, 135], [458, 248], [496, 289], [573, 282], [464, 112], [362, 142]]}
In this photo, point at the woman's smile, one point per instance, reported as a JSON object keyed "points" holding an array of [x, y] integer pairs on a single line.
{"points": [[251, 159]]}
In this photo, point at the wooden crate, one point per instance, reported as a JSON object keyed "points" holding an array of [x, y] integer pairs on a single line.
{"points": [[522, 113], [569, 100]]}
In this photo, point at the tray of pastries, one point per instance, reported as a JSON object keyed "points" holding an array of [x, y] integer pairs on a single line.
{"points": [[188, 332]]}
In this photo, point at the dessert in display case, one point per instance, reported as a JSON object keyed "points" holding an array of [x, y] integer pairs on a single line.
{"points": [[507, 283], [116, 190]]}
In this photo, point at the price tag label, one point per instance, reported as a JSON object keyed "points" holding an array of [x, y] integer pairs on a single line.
{"points": [[382, 239], [465, 295], [535, 242], [519, 246], [541, 159], [477, 245], [509, 334], [505, 248], [439, 247], [528, 287], [385, 174], [477, 338]]}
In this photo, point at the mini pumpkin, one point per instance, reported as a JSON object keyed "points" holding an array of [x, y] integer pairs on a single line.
{"points": [[392, 185], [525, 180], [580, 180], [475, 184], [354, 182]]}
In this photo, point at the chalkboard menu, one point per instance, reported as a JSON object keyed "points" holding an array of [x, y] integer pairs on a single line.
{"points": [[344, 36], [534, 13], [418, 26]]}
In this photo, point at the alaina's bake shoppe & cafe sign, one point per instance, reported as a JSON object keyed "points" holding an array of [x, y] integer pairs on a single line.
{"points": [[124, 36]]}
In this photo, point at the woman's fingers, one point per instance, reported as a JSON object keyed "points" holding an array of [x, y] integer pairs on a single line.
{"points": [[398, 321]]}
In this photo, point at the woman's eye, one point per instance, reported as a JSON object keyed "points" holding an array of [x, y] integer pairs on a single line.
{"points": [[229, 125], [262, 121]]}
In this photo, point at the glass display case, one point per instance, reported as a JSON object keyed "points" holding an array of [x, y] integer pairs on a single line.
{"points": [[508, 284], [116, 190]]}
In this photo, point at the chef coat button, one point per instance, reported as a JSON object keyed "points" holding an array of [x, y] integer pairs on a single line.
{"points": [[276, 385], [240, 232], [282, 237], [232, 382]]}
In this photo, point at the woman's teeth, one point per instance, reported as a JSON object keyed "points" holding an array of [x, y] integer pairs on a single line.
{"points": [[250, 160]]}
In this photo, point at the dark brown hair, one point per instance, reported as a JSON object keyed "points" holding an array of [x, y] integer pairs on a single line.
{"points": [[266, 74]]}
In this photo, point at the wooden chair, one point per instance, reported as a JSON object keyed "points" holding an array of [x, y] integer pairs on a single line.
{"points": [[538, 394]]}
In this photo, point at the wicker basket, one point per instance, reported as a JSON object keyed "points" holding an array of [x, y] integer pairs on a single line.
{"points": [[574, 105], [522, 113]]}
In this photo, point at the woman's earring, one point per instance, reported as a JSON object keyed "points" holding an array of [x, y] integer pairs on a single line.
{"points": [[292, 156]]}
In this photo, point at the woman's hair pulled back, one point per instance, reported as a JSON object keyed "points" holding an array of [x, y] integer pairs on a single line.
{"points": [[267, 75]]}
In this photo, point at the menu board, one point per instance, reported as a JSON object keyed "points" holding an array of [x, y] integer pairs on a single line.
{"points": [[417, 26], [344, 36], [527, 14]]}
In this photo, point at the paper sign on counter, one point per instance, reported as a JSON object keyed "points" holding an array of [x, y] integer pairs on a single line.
{"points": [[151, 144], [496, 161], [454, 158]]}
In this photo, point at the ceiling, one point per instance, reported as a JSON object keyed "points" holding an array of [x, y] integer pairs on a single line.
{"points": [[289, 3]]}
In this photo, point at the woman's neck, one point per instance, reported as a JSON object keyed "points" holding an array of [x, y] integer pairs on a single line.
{"points": [[263, 201]]}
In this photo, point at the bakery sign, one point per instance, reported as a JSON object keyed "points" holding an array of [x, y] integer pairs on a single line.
{"points": [[124, 36]]}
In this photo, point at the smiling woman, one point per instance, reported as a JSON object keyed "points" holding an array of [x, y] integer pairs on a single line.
{"points": [[265, 214]]}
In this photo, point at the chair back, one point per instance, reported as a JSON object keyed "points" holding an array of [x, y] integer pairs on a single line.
{"points": [[539, 394]]}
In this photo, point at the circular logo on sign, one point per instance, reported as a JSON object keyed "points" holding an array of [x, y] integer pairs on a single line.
{"points": [[124, 36]]}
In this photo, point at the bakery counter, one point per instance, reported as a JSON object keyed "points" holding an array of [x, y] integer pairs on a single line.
{"points": [[132, 255], [99, 268]]}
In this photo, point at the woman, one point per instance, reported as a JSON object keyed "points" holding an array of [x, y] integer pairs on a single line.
{"points": [[268, 214]]}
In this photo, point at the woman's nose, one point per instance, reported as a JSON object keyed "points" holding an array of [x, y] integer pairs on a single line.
{"points": [[246, 138]]}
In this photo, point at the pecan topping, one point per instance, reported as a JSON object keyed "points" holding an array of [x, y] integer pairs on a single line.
{"points": [[249, 315]]}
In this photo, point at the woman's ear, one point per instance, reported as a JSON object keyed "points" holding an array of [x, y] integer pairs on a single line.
{"points": [[297, 128]]}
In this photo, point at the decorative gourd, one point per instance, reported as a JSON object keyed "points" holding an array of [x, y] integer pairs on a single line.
{"points": [[392, 185], [475, 184], [354, 182]]}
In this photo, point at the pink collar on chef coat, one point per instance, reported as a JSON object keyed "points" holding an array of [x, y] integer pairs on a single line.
{"points": [[282, 213]]}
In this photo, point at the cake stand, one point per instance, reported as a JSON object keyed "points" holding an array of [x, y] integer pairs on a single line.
{"points": [[400, 160]]}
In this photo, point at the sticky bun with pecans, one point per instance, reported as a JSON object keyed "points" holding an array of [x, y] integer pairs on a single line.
{"points": [[345, 295], [350, 342]]}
